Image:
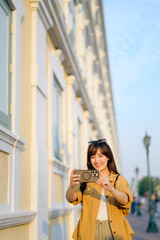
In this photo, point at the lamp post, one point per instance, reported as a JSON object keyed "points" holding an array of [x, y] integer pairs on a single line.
{"points": [[152, 227], [132, 182], [138, 202]]}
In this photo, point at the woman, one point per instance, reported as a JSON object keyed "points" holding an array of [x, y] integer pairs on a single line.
{"points": [[106, 202]]}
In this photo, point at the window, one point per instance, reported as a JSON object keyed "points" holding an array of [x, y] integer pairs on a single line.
{"points": [[5, 61], [58, 184], [4, 177], [57, 119]]}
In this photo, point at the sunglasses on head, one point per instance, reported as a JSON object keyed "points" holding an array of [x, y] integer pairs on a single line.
{"points": [[97, 141]]}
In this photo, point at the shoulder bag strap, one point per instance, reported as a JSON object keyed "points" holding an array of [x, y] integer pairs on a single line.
{"points": [[116, 180]]}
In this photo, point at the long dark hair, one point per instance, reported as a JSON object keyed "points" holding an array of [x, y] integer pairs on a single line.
{"points": [[105, 150]]}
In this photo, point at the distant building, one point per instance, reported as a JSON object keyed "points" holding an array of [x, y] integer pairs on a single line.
{"points": [[55, 96]]}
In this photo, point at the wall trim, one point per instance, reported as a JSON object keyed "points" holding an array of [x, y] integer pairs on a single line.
{"points": [[53, 213], [16, 219], [59, 165], [10, 138], [45, 17]]}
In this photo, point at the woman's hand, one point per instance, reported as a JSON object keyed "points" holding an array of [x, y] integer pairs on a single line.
{"points": [[71, 195], [104, 182], [121, 197], [74, 179]]}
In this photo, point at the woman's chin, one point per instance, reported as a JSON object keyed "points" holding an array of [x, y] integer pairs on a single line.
{"points": [[99, 168]]}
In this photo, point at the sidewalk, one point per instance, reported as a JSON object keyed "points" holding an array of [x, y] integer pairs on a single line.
{"points": [[140, 224]]}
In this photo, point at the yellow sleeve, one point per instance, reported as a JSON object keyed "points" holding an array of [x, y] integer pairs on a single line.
{"points": [[79, 195], [123, 186]]}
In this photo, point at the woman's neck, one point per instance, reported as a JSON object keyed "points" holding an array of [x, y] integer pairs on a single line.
{"points": [[106, 172]]}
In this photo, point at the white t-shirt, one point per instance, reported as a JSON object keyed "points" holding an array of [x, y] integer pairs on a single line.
{"points": [[103, 210]]}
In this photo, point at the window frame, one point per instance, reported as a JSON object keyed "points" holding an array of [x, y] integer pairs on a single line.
{"points": [[57, 138], [5, 119]]}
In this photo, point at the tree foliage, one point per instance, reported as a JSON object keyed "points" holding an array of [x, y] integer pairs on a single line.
{"points": [[143, 185]]}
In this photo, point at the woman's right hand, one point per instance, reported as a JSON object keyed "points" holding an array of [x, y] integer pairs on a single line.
{"points": [[71, 195], [74, 179]]}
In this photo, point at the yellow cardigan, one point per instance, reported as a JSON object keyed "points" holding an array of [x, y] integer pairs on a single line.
{"points": [[90, 199]]}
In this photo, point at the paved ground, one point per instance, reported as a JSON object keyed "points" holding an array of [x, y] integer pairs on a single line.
{"points": [[140, 224]]}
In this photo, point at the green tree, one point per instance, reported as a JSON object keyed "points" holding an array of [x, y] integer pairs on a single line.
{"points": [[143, 185]]}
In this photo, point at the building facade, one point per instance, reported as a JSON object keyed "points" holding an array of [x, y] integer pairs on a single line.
{"points": [[55, 96]]}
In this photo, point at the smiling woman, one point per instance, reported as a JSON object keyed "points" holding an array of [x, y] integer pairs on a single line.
{"points": [[105, 207]]}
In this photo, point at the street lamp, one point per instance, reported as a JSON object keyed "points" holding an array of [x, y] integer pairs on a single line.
{"points": [[138, 202], [132, 182], [152, 227]]}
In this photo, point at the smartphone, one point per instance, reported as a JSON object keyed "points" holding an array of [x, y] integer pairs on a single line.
{"points": [[87, 175]]}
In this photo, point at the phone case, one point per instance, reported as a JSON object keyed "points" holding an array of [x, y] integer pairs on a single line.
{"points": [[88, 175]]}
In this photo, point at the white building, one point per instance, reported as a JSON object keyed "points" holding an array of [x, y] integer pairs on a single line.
{"points": [[55, 96]]}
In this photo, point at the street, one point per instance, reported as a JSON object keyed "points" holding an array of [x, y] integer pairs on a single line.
{"points": [[139, 225]]}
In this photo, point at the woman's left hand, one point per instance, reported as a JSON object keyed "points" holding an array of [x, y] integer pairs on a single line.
{"points": [[104, 182]]}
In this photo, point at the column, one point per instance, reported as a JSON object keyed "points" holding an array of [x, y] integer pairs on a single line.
{"points": [[70, 138], [39, 155], [85, 137], [70, 118]]}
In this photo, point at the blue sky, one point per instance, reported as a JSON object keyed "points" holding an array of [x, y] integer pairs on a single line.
{"points": [[133, 39]]}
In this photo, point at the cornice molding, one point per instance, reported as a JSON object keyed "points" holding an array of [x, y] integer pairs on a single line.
{"points": [[19, 143], [93, 28], [59, 165], [42, 10], [16, 219], [53, 213], [10, 138]]}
